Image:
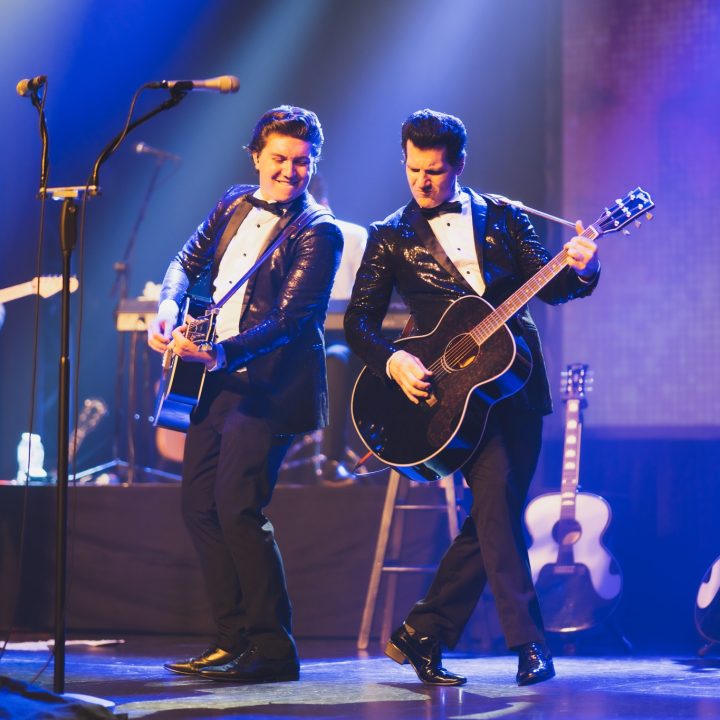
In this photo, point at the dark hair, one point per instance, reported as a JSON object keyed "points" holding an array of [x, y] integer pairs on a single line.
{"points": [[288, 120], [429, 128]]}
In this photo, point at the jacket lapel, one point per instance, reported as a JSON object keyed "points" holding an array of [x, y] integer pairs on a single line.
{"points": [[237, 212], [280, 225], [479, 223], [425, 234]]}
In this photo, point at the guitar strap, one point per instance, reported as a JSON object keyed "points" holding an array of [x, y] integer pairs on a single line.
{"points": [[409, 327], [300, 222]]}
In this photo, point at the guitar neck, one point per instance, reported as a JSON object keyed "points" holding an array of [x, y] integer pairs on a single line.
{"points": [[571, 458], [14, 292], [484, 330]]}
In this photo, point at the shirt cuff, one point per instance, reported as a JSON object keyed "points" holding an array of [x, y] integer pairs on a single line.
{"points": [[169, 310], [220, 358], [591, 279], [387, 364]]}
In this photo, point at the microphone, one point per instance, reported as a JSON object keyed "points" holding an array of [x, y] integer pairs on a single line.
{"points": [[31, 85], [144, 149], [222, 84]]}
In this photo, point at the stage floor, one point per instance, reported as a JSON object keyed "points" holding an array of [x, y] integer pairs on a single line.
{"points": [[339, 682]]}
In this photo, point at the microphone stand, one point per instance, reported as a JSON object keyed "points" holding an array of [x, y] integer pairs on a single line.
{"points": [[68, 239]]}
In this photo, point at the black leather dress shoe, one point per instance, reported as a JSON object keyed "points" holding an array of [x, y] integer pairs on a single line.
{"points": [[423, 653], [534, 664], [212, 657], [252, 667]]}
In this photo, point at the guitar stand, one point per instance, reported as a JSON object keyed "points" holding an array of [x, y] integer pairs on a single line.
{"points": [[294, 458], [620, 635], [297, 456], [568, 643], [705, 649]]}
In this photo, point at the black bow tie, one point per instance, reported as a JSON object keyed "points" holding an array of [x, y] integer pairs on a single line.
{"points": [[275, 207], [449, 206]]}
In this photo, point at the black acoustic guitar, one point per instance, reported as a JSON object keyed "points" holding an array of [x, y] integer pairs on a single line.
{"points": [[476, 361], [181, 383], [578, 582]]}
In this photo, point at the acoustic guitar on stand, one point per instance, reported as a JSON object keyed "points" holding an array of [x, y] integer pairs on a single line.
{"points": [[707, 607], [577, 580]]}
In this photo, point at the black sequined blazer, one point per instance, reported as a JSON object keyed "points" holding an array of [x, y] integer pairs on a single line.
{"points": [[280, 336], [404, 255]]}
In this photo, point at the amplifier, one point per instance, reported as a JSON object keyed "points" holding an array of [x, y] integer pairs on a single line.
{"points": [[134, 314]]}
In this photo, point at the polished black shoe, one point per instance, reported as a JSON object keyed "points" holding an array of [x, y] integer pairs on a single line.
{"points": [[212, 657], [423, 653], [252, 667], [534, 664]]}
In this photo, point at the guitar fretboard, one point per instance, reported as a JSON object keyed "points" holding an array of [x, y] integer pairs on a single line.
{"points": [[571, 459], [492, 323]]}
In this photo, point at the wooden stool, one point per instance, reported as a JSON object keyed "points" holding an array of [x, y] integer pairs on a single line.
{"points": [[387, 559]]}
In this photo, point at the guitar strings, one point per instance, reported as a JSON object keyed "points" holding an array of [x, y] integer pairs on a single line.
{"points": [[484, 330], [478, 335]]}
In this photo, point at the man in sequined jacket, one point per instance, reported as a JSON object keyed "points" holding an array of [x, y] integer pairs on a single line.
{"points": [[266, 382], [449, 242]]}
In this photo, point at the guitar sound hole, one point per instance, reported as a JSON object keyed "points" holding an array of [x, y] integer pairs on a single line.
{"points": [[460, 353], [566, 532]]}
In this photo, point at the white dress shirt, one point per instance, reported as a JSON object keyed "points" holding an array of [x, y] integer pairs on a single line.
{"points": [[240, 255], [454, 232]]}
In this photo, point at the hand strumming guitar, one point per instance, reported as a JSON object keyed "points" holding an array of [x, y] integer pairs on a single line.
{"points": [[189, 351], [410, 374]]}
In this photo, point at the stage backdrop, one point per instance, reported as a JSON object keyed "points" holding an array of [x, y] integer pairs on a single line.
{"points": [[641, 94]]}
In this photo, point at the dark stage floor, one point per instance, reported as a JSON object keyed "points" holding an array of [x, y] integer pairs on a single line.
{"points": [[338, 682]]}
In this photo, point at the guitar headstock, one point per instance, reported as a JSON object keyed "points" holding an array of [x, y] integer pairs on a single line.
{"points": [[634, 205], [577, 380], [47, 285]]}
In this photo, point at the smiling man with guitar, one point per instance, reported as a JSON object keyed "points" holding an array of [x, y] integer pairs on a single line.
{"points": [[443, 252], [272, 253]]}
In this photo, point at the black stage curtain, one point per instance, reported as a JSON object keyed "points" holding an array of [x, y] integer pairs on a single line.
{"points": [[132, 569]]}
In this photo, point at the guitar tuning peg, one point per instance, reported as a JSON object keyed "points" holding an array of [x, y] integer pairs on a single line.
{"points": [[625, 231], [649, 216], [637, 223]]}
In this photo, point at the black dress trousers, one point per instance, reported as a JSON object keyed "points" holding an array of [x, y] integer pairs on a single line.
{"points": [[490, 546], [230, 468]]}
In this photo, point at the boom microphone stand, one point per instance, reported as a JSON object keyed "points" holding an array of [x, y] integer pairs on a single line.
{"points": [[68, 239]]}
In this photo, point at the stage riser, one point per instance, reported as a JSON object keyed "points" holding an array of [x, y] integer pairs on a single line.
{"points": [[131, 566]]}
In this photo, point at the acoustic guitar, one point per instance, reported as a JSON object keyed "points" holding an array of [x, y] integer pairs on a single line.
{"points": [[181, 383], [576, 579], [93, 410], [707, 606], [476, 361]]}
